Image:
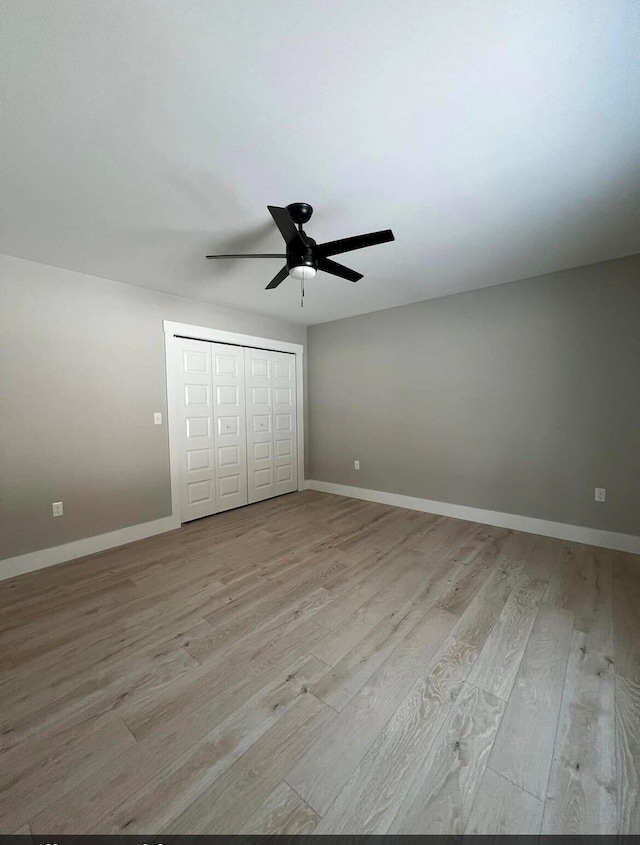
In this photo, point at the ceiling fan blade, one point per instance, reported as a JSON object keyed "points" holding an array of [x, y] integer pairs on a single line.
{"points": [[259, 255], [284, 222], [357, 242], [336, 269], [280, 276]]}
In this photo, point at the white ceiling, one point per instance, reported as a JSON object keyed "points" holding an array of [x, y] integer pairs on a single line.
{"points": [[499, 139]]}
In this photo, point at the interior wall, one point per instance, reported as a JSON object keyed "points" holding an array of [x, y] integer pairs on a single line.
{"points": [[81, 373], [519, 398]]}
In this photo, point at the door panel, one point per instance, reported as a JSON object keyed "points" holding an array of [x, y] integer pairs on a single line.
{"points": [[271, 430], [230, 422], [196, 468], [284, 421], [259, 427]]}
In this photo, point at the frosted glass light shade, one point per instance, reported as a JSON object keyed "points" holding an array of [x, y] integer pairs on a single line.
{"points": [[302, 272]]}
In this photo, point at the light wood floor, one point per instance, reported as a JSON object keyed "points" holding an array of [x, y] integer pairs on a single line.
{"points": [[321, 664]]}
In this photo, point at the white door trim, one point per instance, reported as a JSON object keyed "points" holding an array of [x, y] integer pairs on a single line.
{"points": [[171, 329], [218, 336]]}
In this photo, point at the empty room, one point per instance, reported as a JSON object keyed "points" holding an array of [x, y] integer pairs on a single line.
{"points": [[320, 417]]}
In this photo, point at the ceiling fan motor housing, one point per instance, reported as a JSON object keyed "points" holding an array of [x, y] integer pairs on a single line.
{"points": [[302, 258]]}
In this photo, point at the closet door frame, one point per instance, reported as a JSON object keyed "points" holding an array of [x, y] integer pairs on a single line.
{"points": [[173, 330]]}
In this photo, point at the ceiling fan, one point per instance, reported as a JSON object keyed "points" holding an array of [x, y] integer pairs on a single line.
{"points": [[304, 257]]}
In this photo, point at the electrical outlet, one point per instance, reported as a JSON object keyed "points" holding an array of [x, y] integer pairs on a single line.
{"points": [[356, 464], [157, 418], [57, 509], [601, 494]]}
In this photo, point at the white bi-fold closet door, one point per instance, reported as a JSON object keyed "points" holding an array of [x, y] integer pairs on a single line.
{"points": [[236, 426], [270, 381], [212, 442]]}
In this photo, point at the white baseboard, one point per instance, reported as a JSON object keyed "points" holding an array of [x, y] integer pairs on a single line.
{"points": [[12, 566], [528, 524]]}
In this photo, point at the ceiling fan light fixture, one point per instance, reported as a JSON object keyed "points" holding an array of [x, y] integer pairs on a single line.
{"points": [[302, 272]]}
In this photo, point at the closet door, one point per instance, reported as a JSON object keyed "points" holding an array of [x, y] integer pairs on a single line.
{"points": [[283, 382], [272, 459], [195, 429], [229, 426], [260, 462]]}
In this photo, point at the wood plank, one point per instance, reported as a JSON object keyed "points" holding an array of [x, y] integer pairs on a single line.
{"points": [[279, 613], [396, 598], [342, 681], [291, 583], [523, 749], [65, 671], [442, 795], [501, 808], [244, 668], [284, 813], [628, 754], [475, 539], [140, 609], [476, 571], [585, 588], [359, 568], [71, 603], [370, 798], [171, 792], [233, 798], [581, 795], [24, 795], [582, 785], [139, 789], [497, 666], [394, 529], [327, 764], [387, 567], [544, 559], [107, 694], [626, 616], [482, 612], [430, 570], [143, 621]]}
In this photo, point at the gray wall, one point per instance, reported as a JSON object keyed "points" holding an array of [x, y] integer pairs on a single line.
{"points": [[519, 398], [81, 373]]}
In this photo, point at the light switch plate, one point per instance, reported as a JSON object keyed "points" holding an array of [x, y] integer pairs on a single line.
{"points": [[157, 418]]}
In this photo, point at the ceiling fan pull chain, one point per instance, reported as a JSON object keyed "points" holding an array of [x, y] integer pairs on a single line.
{"points": [[302, 292]]}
